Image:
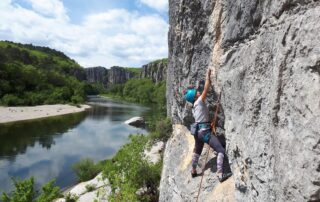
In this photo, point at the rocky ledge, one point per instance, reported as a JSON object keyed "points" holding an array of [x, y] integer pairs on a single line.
{"points": [[176, 181], [97, 189]]}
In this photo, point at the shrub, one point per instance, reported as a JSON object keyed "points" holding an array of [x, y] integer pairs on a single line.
{"points": [[128, 171], [77, 99], [71, 198], [49, 192], [24, 192], [90, 187], [85, 169], [163, 130], [11, 100]]}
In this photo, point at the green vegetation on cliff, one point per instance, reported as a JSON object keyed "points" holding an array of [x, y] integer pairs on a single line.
{"points": [[164, 60], [32, 75], [135, 70], [128, 171], [142, 91]]}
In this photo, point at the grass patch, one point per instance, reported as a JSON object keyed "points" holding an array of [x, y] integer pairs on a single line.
{"points": [[86, 169]]}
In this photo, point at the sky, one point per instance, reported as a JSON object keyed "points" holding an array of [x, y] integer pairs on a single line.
{"points": [[127, 33]]}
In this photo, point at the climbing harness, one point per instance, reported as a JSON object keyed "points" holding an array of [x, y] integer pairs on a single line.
{"points": [[213, 129]]}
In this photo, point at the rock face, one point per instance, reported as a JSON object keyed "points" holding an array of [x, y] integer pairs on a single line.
{"points": [[154, 154], [265, 58], [79, 73], [108, 77], [96, 75], [176, 181], [118, 75], [157, 71]]}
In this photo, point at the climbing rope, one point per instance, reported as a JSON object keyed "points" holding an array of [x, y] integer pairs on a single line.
{"points": [[213, 129]]}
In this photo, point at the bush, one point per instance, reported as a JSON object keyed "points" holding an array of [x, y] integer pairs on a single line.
{"points": [[128, 171], [11, 100], [77, 99], [163, 130], [85, 169], [49, 192], [90, 187], [25, 192], [71, 198]]}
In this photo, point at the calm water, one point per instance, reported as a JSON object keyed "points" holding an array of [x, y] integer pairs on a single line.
{"points": [[48, 148]]}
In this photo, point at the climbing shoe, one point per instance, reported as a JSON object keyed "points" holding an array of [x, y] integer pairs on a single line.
{"points": [[223, 176], [194, 174]]}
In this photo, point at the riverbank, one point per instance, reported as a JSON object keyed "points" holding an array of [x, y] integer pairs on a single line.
{"points": [[13, 114]]}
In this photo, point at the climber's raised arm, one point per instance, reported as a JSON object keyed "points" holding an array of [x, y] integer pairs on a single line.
{"points": [[206, 85]]}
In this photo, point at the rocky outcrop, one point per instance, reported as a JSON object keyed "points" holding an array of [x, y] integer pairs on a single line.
{"points": [[154, 154], [96, 75], [97, 189], [118, 75], [265, 60], [176, 181], [136, 122], [156, 71], [108, 77], [79, 73]]}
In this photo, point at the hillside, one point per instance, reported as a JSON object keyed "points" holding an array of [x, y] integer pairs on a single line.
{"points": [[32, 75], [264, 57]]}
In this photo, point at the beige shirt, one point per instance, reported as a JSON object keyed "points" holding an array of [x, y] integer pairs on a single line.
{"points": [[200, 111]]}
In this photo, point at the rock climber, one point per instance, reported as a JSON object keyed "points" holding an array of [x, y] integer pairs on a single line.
{"points": [[200, 113]]}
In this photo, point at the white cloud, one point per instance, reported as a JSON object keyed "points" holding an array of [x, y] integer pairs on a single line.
{"points": [[50, 8], [115, 37], [160, 5]]}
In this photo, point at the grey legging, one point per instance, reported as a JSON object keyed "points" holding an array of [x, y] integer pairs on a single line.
{"points": [[214, 143]]}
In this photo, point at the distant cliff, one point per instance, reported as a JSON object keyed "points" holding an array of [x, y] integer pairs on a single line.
{"points": [[156, 71], [108, 77], [118, 75], [96, 75], [265, 61]]}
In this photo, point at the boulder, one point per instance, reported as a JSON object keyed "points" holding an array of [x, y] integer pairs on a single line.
{"points": [[100, 192], [136, 122], [154, 154]]}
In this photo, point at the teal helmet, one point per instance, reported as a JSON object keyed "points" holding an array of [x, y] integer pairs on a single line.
{"points": [[190, 95]]}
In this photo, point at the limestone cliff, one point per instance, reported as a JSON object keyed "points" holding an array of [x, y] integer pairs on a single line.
{"points": [[96, 75], [157, 70], [108, 77], [118, 75], [265, 57]]}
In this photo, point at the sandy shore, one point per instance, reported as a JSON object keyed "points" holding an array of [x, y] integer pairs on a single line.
{"points": [[12, 114]]}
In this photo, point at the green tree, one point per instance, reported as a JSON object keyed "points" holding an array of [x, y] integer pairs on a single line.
{"points": [[25, 192]]}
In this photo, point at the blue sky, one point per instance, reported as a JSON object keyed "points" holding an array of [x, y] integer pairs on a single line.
{"points": [[93, 32]]}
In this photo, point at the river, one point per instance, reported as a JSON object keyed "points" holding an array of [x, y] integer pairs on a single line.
{"points": [[47, 148]]}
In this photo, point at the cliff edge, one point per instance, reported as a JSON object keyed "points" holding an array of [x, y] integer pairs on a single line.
{"points": [[265, 58]]}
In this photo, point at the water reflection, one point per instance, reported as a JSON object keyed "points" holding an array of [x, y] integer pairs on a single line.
{"points": [[17, 137], [47, 148]]}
